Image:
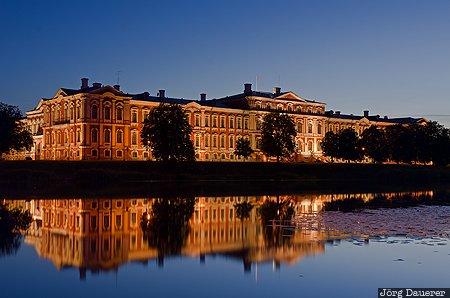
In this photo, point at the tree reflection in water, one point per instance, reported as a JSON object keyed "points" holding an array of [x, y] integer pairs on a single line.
{"points": [[13, 221], [275, 215], [166, 227]]}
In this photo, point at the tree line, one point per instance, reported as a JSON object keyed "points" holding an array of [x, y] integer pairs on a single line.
{"points": [[415, 143]]}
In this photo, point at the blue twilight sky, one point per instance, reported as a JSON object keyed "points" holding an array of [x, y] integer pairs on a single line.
{"points": [[391, 57]]}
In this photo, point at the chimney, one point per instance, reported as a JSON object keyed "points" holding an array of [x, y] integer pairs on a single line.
{"points": [[331, 112], [162, 93], [366, 113], [385, 117], [117, 87], [276, 90], [202, 96], [247, 88], [337, 112], [84, 83], [97, 85]]}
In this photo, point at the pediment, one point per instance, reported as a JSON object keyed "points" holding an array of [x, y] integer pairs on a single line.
{"points": [[105, 89], [290, 96], [193, 104]]}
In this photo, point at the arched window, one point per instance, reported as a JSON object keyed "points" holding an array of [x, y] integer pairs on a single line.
{"points": [[310, 127], [119, 137], [107, 136], [310, 146], [94, 112], [197, 141], [300, 126], [94, 135], [222, 141], [206, 140], [319, 128], [119, 113], [134, 116], [107, 113], [134, 138], [231, 141]]}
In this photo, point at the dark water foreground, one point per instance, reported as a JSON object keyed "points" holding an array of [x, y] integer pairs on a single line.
{"points": [[297, 245]]}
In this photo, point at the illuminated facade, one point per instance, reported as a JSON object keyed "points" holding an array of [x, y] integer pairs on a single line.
{"points": [[102, 122]]}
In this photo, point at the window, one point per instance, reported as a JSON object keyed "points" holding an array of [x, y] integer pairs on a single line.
{"points": [[231, 141], [246, 123], [107, 136], [222, 122], [214, 144], [94, 136], [231, 122], [134, 154], [107, 153], [134, 116], [107, 113], [78, 135], [118, 221], [310, 146], [145, 114], [207, 140], [310, 127], [94, 112], [94, 152], [258, 123], [222, 141], [239, 123], [71, 113], [134, 138], [119, 113], [119, 136], [197, 141], [197, 120], [319, 128], [289, 108], [214, 121], [119, 153], [300, 126], [146, 155], [206, 121], [280, 107], [78, 112], [133, 219]]}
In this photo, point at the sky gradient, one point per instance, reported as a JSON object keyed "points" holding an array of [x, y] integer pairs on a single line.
{"points": [[391, 57]]}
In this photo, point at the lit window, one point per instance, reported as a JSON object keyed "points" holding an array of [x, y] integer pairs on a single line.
{"points": [[107, 136], [134, 116]]}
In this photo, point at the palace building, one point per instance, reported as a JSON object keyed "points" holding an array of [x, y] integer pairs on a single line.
{"points": [[103, 123]]}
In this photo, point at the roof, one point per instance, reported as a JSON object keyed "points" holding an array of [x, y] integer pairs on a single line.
{"points": [[377, 118], [269, 95]]}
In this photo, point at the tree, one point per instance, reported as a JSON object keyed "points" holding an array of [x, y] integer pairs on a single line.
{"points": [[243, 148], [329, 145], [278, 132], [167, 133], [400, 143], [13, 221], [13, 133], [373, 144], [343, 144], [348, 145]]}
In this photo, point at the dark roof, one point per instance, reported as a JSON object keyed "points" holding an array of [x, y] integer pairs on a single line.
{"points": [[405, 120], [261, 94], [147, 97]]}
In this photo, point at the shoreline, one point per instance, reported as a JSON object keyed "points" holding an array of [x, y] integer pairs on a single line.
{"points": [[137, 178]]}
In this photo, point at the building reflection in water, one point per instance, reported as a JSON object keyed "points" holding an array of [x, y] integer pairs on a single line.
{"points": [[101, 234]]}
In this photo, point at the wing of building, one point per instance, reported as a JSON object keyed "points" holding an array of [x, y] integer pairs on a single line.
{"points": [[103, 123]]}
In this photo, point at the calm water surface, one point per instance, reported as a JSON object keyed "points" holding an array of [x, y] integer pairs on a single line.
{"points": [[266, 246]]}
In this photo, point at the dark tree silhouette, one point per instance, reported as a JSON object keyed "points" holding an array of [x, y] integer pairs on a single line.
{"points": [[243, 148], [13, 133], [400, 143], [13, 221], [329, 145], [167, 133], [277, 135], [373, 144]]}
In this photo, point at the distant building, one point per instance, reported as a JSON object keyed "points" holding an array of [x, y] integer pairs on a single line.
{"points": [[103, 123]]}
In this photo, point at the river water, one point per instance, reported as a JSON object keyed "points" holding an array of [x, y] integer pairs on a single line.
{"points": [[300, 245]]}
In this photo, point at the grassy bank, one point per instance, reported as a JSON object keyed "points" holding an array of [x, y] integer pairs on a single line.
{"points": [[85, 178]]}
